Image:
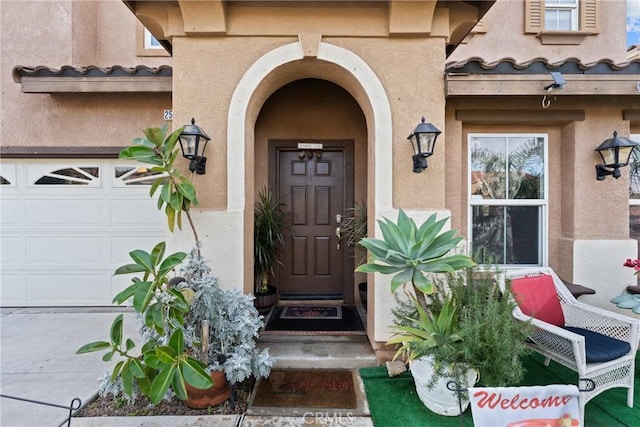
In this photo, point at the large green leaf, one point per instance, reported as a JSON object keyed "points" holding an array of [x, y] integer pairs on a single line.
{"points": [[194, 374], [187, 189], [137, 369], [377, 268], [116, 370], [161, 384], [143, 141], [116, 330], [129, 269], [155, 135], [141, 154], [166, 354], [143, 259], [178, 385], [171, 217], [127, 378], [171, 262], [157, 253], [93, 346], [125, 294], [401, 278], [176, 341], [170, 143], [142, 296]]}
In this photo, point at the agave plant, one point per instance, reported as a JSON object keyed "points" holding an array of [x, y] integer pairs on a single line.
{"points": [[410, 253], [419, 336]]}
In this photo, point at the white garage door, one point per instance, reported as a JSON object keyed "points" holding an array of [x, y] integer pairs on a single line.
{"points": [[66, 226]]}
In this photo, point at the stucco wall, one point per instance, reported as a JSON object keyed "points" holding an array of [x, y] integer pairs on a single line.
{"points": [[505, 37], [57, 33]]}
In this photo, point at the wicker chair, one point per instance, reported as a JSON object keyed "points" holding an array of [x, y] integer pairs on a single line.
{"points": [[596, 343]]}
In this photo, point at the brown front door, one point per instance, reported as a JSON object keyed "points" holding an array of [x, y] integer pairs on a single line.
{"points": [[316, 186]]}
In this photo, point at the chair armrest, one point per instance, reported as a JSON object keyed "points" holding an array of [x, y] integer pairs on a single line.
{"points": [[606, 322], [554, 341]]}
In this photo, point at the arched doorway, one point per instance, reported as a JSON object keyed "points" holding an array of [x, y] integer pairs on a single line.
{"points": [[311, 149]]}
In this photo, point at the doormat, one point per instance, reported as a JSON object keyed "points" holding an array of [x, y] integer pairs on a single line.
{"points": [[349, 324], [333, 312], [306, 388]]}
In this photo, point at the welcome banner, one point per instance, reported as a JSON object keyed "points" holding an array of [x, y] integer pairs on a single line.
{"points": [[536, 406]]}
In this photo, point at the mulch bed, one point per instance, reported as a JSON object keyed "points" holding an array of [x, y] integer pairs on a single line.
{"points": [[110, 407]]}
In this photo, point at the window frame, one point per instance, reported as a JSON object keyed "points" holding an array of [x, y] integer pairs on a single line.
{"points": [[588, 23], [574, 8], [143, 49], [542, 203]]}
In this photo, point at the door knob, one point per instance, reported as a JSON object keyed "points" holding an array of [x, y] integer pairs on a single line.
{"points": [[339, 236]]}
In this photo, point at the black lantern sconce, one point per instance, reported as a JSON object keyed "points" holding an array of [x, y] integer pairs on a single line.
{"points": [[193, 142], [423, 141], [615, 153]]}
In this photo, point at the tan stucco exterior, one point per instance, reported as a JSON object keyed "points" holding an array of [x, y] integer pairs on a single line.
{"points": [[250, 72]]}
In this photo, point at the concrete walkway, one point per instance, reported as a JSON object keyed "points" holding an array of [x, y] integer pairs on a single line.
{"points": [[38, 362]]}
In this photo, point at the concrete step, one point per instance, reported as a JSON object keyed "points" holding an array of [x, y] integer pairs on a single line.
{"points": [[320, 352]]}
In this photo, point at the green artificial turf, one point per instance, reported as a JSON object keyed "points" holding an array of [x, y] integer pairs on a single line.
{"points": [[393, 402]]}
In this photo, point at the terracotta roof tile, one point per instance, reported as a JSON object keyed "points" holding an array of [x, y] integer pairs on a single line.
{"points": [[477, 65], [20, 71]]}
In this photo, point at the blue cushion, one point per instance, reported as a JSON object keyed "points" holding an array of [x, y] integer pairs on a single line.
{"points": [[601, 348]]}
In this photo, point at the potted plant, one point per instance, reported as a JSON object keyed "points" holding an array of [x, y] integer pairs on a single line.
{"points": [[353, 228], [166, 309], [226, 324], [466, 333], [269, 224], [413, 255]]}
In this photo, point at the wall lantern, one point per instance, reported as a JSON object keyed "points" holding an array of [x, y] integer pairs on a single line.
{"points": [[615, 153], [423, 141], [191, 142]]}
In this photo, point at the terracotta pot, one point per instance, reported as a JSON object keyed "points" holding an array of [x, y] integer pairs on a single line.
{"points": [[198, 398]]}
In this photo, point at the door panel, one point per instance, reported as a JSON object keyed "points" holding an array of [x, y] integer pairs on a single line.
{"points": [[313, 189]]}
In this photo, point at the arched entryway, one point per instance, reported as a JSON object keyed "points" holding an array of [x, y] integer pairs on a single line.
{"points": [[311, 149], [272, 71]]}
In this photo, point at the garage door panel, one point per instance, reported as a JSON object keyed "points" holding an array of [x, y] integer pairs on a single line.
{"points": [[68, 250], [70, 288], [12, 288], [11, 213], [136, 213], [70, 213], [11, 250], [67, 225]]}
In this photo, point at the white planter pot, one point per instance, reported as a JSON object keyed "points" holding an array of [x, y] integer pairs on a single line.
{"points": [[439, 398]]}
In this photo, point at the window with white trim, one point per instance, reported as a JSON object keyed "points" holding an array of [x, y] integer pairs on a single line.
{"points": [[561, 15], [150, 42], [508, 198], [88, 175], [147, 44]]}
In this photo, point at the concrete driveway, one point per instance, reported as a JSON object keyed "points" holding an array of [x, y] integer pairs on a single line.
{"points": [[38, 360]]}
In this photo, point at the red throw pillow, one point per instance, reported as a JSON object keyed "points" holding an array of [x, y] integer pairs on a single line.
{"points": [[536, 296]]}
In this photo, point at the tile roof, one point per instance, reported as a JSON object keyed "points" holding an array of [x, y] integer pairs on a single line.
{"points": [[20, 71], [476, 65]]}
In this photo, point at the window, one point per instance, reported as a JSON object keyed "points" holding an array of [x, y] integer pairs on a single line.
{"points": [[151, 42], [561, 15], [508, 198], [562, 21], [147, 44], [73, 175]]}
